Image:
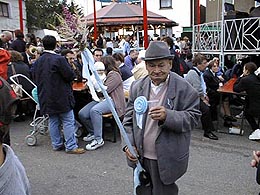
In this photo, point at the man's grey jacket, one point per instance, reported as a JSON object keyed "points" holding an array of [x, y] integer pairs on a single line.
{"points": [[172, 144]]}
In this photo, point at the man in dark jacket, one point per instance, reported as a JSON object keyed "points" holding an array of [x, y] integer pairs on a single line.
{"points": [[53, 76], [18, 44]]}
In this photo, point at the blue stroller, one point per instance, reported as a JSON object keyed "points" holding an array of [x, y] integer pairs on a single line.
{"points": [[39, 124]]}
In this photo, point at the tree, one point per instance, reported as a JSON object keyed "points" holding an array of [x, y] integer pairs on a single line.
{"points": [[72, 25], [67, 20], [41, 12]]}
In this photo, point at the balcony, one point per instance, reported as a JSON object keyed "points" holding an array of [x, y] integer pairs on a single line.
{"points": [[240, 36]]}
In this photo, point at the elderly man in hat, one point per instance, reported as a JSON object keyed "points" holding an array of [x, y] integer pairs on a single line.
{"points": [[162, 138]]}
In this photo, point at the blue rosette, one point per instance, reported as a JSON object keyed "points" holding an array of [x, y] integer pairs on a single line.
{"points": [[140, 107]]}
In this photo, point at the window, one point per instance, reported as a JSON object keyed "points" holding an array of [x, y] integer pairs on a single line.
{"points": [[4, 9], [165, 3], [229, 1]]}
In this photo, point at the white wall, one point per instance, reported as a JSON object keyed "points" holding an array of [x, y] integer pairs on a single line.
{"points": [[88, 5], [179, 13], [13, 22]]}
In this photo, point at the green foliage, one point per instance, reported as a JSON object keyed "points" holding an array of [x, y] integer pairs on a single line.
{"points": [[41, 13], [67, 20], [72, 26]]}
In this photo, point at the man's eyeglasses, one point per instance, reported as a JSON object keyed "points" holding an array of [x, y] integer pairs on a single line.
{"points": [[98, 55]]}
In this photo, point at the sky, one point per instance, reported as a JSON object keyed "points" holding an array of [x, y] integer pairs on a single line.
{"points": [[203, 2]]}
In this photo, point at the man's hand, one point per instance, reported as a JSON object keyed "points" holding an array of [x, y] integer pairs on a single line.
{"points": [[256, 158], [158, 113], [129, 155]]}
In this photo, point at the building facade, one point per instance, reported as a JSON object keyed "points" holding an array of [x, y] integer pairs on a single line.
{"points": [[10, 16], [182, 11], [214, 8]]}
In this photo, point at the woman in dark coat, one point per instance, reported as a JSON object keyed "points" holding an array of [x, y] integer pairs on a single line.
{"points": [[18, 44], [17, 66]]}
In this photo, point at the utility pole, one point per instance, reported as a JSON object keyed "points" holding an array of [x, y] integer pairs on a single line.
{"points": [[145, 25], [95, 20], [21, 14]]}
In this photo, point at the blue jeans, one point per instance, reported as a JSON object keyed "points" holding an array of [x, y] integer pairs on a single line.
{"points": [[68, 122], [91, 117]]}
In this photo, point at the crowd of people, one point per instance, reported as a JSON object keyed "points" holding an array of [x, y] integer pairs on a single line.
{"points": [[180, 86]]}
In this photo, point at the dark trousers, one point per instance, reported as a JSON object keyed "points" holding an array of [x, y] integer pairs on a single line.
{"points": [[206, 121], [82, 98], [156, 187], [251, 120]]}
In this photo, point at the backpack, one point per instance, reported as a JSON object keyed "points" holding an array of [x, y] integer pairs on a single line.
{"points": [[8, 102]]}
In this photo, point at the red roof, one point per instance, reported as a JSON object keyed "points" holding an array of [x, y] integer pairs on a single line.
{"points": [[126, 14]]}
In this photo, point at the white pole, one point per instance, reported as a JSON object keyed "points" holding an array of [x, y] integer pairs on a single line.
{"points": [[137, 37], [222, 34], [218, 11], [193, 26]]}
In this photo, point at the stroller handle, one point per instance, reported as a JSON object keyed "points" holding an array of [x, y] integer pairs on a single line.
{"points": [[14, 77]]}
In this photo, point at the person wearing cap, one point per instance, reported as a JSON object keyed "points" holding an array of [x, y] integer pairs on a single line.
{"points": [[162, 137], [100, 68]]}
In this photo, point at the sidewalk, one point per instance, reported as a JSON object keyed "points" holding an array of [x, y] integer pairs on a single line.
{"points": [[215, 167]]}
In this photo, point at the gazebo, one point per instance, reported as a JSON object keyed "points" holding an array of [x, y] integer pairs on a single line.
{"points": [[122, 15]]}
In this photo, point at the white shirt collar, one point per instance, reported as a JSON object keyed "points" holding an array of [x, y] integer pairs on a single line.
{"points": [[212, 72], [197, 69], [156, 88], [50, 51], [121, 65]]}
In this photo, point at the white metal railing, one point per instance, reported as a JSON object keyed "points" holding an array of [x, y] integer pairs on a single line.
{"points": [[240, 36], [207, 37]]}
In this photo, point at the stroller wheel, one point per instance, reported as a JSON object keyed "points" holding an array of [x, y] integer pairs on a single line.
{"points": [[31, 140], [79, 132]]}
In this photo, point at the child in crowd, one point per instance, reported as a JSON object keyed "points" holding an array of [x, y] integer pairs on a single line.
{"points": [[100, 67]]}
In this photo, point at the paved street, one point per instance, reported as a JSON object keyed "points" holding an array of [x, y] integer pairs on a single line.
{"points": [[215, 167]]}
